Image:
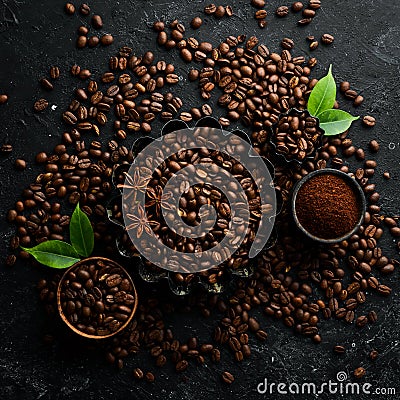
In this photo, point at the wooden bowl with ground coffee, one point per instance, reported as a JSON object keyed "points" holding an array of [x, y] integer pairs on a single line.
{"points": [[328, 205]]}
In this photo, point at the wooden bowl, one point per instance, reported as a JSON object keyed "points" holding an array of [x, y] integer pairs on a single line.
{"points": [[59, 290]]}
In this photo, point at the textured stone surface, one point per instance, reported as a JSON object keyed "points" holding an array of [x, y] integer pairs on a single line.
{"points": [[37, 34]]}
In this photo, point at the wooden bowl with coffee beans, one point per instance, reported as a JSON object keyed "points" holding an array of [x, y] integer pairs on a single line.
{"points": [[96, 298]]}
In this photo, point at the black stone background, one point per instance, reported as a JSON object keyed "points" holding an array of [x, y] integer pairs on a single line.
{"points": [[37, 34]]}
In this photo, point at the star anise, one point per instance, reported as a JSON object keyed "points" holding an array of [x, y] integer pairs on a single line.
{"points": [[134, 184], [158, 198], [140, 222]]}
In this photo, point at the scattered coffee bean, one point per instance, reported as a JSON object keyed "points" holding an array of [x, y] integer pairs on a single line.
{"points": [[327, 38], [84, 9], [227, 377], [358, 101], [149, 377], [359, 372], [20, 164], [93, 41], [297, 6], [69, 8], [10, 260], [6, 148], [81, 42], [158, 26], [344, 86], [287, 44], [339, 349], [40, 105], [211, 9], [97, 21], [374, 146], [138, 374], [46, 84], [196, 22], [229, 11], [282, 11], [369, 121], [258, 3], [106, 40], [373, 355], [54, 72], [220, 12], [3, 98]]}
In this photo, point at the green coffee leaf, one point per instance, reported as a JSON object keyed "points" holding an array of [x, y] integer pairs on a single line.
{"points": [[323, 95], [334, 122], [81, 233], [54, 254]]}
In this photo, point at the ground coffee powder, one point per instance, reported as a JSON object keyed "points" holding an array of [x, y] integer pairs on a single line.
{"points": [[327, 207]]}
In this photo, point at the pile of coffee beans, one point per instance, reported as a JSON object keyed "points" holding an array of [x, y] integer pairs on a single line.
{"points": [[97, 297], [296, 135], [327, 206], [295, 281]]}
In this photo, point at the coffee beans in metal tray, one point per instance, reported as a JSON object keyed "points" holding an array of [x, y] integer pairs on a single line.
{"points": [[296, 135], [96, 298], [185, 152]]}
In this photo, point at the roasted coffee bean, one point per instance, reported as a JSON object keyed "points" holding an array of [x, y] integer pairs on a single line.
{"points": [[106, 40], [227, 377], [149, 377], [196, 22], [339, 349], [258, 3], [373, 355], [81, 42], [358, 101], [158, 26], [46, 84], [54, 72], [40, 105], [69, 8], [372, 317], [84, 9], [304, 21], [297, 6], [327, 38], [368, 121], [20, 164], [287, 43], [6, 148], [10, 260], [282, 11], [3, 98], [97, 21], [210, 9], [359, 372]]}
